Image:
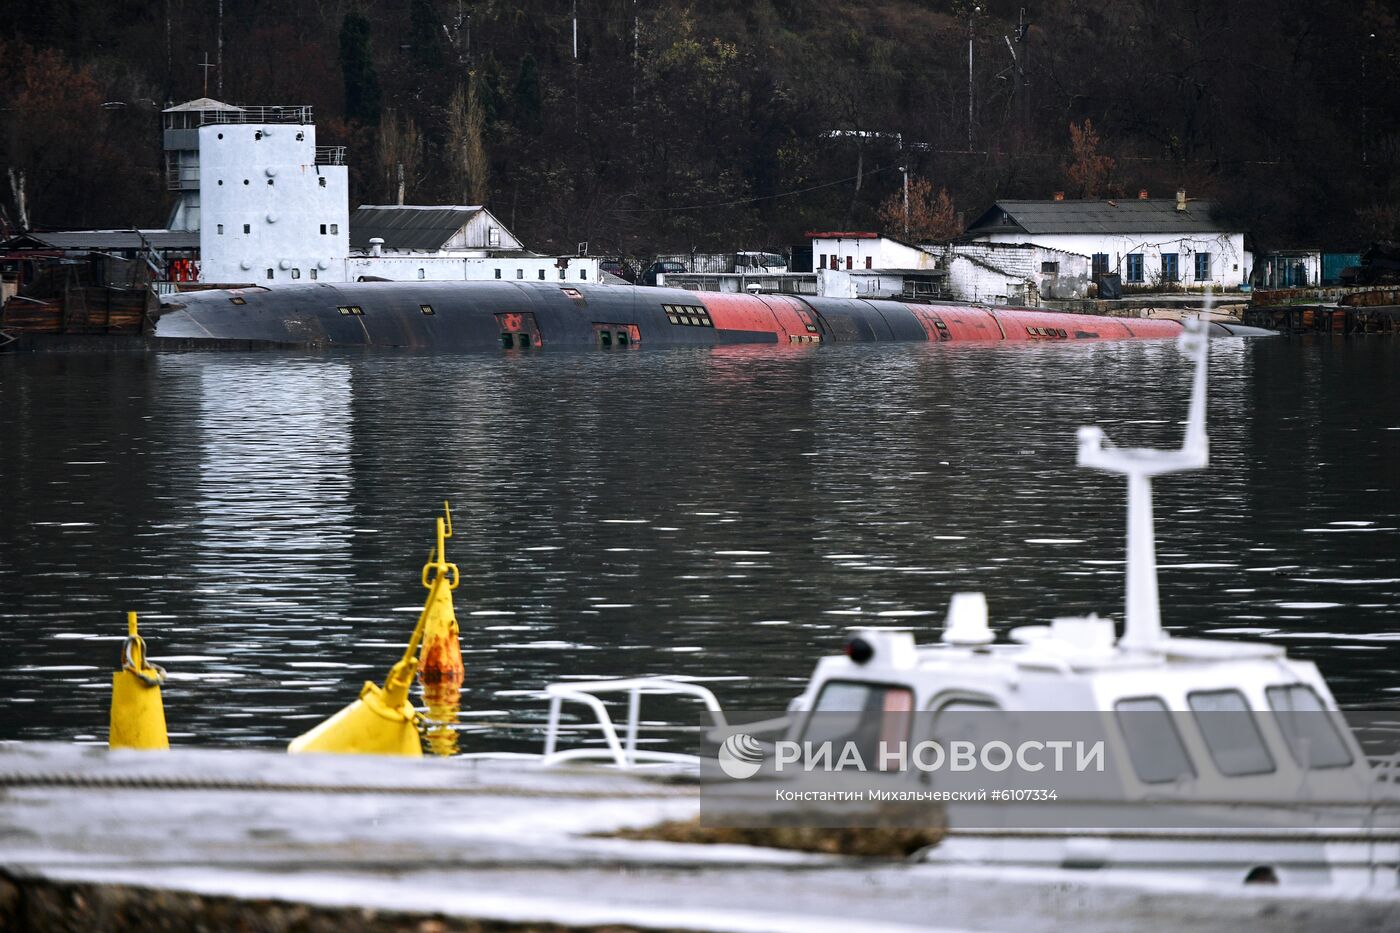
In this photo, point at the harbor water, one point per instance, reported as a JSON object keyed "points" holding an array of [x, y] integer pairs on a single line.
{"points": [[723, 513]]}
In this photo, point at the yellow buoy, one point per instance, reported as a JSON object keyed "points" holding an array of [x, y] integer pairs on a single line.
{"points": [[138, 716], [440, 668], [382, 721]]}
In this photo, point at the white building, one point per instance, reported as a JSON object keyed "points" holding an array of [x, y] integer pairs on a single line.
{"points": [[1150, 242], [868, 265], [449, 242], [854, 251], [268, 203]]}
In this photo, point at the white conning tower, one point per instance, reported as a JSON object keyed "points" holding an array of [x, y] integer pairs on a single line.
{"points": [[272, 206]]}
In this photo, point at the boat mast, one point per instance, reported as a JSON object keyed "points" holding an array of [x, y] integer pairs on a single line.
{"points": [[1142, 628]]}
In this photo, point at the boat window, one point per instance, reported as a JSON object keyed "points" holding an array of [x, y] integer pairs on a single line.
{"points": [[1308, 727], [1154, 746], [967, 718], [865, 714], [1227, 724]]}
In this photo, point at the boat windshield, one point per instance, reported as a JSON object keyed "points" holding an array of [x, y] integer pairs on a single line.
{"points": [[1154, 747], [865, 714], [1227, 724], [1308, 727]]}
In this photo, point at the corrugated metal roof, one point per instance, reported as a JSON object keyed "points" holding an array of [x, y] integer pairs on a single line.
{"points": [[408, 226], [1156, 215], [200, 104], [106, 239]]}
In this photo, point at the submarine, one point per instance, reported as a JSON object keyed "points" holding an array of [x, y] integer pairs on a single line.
{"points": [[506, 315]]}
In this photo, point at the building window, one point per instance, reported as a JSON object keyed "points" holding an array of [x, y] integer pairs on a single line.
{"points": [[541, 275], [296, 273], [323, 229], [1100, 266], [221, 229], [498, 273], [850, 261], [1203, 267], [335, 229], [1170, 272], [427, 309], [1135, 267], [822, 261], [269, 181], [313, 275], [835, 261], [869, 261], [322, 180], [520, 273], [269, 273], [1049, 268], [561, 275], [493, 236], [221, 182], [422, 274], [247, 228], [583, 275]]}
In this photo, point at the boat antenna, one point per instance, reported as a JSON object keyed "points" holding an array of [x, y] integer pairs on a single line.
{"points": [[1142, 628]]}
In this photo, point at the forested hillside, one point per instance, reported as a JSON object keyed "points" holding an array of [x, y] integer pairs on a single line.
{"points": [[685, 125]]}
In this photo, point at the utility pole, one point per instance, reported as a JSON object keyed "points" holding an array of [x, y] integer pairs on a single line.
{"points": [[971, 13], [169, 70], [636, 59], [220, 54], [206, 65], [1023, 82], [1365, 93], [904, 170]]}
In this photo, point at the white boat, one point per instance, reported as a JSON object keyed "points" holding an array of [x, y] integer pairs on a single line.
{"points": [[1228, 759]]}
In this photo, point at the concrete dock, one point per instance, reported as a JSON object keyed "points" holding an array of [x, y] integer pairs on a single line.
{"points": [[315, 842]]}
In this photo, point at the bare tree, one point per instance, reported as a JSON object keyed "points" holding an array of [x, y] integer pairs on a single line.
{"points": [[932, 217], [1087, 172], [400, 147], [466, 121]]}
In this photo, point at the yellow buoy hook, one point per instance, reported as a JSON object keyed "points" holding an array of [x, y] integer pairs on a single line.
{"points": [[382, 721], [138, 715]]}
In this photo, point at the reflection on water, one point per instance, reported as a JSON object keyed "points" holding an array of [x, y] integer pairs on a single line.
{"points": [[720, 513]]}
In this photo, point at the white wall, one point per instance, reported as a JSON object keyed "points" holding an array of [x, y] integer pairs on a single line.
{"points": [[838, 283], [1229, 265], [476, 234], [431, 268], [882, 252], [265, 177]]}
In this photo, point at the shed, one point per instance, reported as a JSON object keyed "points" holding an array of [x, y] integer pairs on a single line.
{"points": [[446, 229]]}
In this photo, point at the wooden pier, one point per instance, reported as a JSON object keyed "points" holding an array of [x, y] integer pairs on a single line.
{"points": [[186, 838]]}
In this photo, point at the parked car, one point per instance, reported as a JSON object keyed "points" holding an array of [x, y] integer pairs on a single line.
{"points": [[618, 268], [665, 267]]}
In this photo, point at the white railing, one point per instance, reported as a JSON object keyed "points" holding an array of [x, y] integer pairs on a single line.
{"points": [[330, 155], [622, 751], [299, 114]]}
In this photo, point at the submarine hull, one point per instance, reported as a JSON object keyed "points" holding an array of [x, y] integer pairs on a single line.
{"points": [[526, 315]]}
